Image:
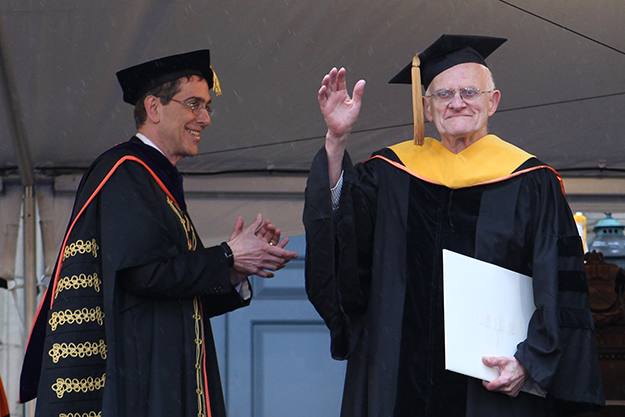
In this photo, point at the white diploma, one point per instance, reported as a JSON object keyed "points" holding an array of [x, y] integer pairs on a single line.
{"points": [[487, 312]]}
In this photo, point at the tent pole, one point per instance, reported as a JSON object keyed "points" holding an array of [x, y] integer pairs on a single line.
{"points": [[30, 279]]}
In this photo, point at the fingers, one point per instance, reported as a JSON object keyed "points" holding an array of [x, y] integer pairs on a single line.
{"points": [[269, 233], [237, 229], [283, 243], [328, 85], [322, 96], [266, 231], [340, 79], [265, 274], [276, 237], [329, 81], [256, 224], [511, 378], [273, 258], [273, 234], [281, 253], [257, 249]]}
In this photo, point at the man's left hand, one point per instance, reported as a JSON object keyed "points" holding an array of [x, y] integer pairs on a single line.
{"points": [[512, 375]]}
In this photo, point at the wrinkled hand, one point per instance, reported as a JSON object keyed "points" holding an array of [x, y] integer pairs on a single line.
{"points": [[257, 249], [512, 375], [339, 110]]}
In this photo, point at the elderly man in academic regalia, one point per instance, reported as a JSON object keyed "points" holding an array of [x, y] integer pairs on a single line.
{"points": [[375, 235]]}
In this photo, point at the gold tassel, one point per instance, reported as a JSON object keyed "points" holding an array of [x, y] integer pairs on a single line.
{"points": [[417, 102], [216, 86]]}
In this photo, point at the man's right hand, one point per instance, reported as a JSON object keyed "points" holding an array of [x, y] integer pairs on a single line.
{"points": [[257, 250], [340, 112]]}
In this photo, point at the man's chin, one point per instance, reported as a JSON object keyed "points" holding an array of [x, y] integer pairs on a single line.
{"points": [[460, 129]]}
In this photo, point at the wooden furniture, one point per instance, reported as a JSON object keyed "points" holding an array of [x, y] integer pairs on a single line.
{"points": [[608, 312]]}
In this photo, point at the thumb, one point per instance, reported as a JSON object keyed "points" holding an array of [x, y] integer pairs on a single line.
{"points": [[359, 90], [489, 361]]}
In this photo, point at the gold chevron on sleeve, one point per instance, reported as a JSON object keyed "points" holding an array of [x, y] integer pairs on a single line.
{"points": [[60, 318], [81, 247], [78, 281], [63, 386], [63, 350]]}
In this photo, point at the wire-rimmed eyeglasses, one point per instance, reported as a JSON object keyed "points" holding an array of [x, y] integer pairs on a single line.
{"points": [[467, 94], [197, 108]]}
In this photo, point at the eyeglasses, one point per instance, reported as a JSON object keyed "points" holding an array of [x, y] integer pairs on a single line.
{"points": [[467, 94], [197, 108]]}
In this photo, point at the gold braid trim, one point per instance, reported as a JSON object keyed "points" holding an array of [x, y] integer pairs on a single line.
{"points": [[67, 385], [199, 359], [77, 281], [89, 414], [81, 247], [186, 224], [78, 316], [63, 350]]}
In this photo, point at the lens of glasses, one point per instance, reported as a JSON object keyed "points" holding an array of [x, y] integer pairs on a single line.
{"points": [[469, 93], [466, 94], [198, 109]]}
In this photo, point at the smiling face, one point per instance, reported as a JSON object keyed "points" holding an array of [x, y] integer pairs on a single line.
{"points": [[177, 132], [461, 122]]}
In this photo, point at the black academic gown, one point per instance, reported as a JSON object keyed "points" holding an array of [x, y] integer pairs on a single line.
{"points": [[124, 329], [374, 273]]}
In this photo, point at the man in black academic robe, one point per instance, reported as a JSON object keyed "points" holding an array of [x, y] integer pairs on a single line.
{"points": [[375, 241], [124, 327]]}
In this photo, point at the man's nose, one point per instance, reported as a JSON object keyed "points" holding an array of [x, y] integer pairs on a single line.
{"points": [[204, 118], [457, 101]]}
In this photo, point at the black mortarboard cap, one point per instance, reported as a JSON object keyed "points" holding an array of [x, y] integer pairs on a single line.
{"points": [[446, 52], [449, 51], [139, 79]]}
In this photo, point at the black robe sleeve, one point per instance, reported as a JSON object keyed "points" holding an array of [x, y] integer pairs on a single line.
{"points": [[560, 351], [338, 251]]}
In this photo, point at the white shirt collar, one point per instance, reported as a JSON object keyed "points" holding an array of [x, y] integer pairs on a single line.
{"points": [[147, 141]]}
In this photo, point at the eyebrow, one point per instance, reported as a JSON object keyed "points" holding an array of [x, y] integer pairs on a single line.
{"points": [[199, 99]]}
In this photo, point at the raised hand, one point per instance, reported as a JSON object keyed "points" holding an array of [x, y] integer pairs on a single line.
{"points": [[339, 110]]}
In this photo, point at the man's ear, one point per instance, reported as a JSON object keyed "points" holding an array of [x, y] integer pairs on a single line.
{"points": [[426, 109], [494, 102], [153, 106]]}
